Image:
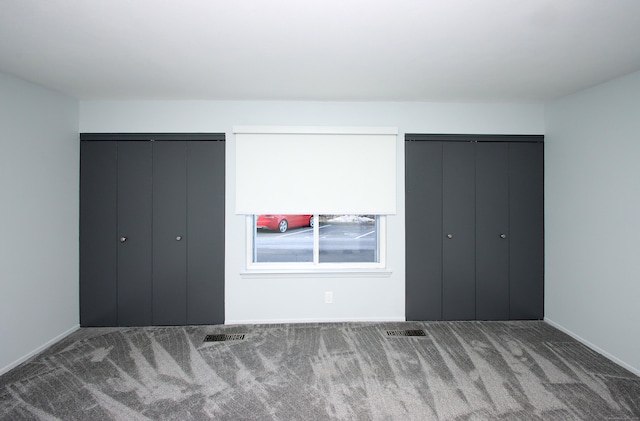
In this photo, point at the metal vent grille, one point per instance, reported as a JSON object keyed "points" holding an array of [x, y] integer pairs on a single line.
{"points": [[410, 332], [220, 337]]}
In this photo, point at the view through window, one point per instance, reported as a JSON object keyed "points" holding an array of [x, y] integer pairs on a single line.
{"points": [[316, 239]]}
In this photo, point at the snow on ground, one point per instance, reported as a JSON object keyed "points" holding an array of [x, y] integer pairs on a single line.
{"points": [[351, 218]]}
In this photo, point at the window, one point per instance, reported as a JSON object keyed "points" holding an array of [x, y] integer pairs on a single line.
{"points": [[315, 241], [345, 175]]}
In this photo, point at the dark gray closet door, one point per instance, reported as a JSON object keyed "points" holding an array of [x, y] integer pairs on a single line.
{"points": [[205, 232], [526, 202], [423, 186], [458, 216], [134, 233], [169, 233], [98, 246], [492, 231]]}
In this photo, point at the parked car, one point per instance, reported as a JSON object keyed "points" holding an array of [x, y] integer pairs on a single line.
{"points": [[283, 222]]}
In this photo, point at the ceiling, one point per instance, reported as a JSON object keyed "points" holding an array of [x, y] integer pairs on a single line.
{"points": [[320, 50]]}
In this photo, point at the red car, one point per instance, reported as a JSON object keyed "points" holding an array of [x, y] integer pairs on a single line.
{"points": [[283, 222]]}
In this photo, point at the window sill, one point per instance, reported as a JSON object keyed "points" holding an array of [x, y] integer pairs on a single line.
{"points": [[314, 273]]}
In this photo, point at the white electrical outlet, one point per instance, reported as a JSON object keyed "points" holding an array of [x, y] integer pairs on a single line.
{"points": [[328, 297]]}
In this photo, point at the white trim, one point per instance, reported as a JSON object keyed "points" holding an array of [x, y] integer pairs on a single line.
{"points": [[314, 273], [596, 348], [314, 320], [368, 130], [38, 350]]}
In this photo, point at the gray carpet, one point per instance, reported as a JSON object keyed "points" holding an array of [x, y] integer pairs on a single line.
{"points": [[345, 371]]}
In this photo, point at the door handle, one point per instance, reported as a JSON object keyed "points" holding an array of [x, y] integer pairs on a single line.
{"points": [[123, 239], [178, 238], [503, 236], [449, 236]]}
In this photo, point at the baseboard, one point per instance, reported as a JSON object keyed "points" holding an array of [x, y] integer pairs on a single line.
{"points": [[597, 349], [319, 320], [38, 350]]}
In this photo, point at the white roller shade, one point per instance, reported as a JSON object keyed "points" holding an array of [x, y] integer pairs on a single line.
{"points": [[300, 170]]}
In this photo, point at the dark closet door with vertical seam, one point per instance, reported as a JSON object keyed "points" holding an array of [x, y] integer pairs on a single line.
{"points": [[98, 238], [459, 228], [526, 202], [489, 251], [205, 232], [152, 222], [134, 233], [170, 233], [492, 231], [423, 185]]}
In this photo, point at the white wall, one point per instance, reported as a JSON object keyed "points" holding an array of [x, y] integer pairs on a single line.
{"points": [[39, 216], [295, 298], [593, 217]]}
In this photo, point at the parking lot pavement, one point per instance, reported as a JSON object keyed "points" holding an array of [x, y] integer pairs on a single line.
{"points": [[345, 242]]}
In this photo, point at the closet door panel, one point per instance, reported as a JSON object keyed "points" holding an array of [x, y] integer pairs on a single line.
{"points": [[492, 231], [526, 202], [205, 232], [98, 244], [458, 210], [134, 233], [423, 186], [169, 233]]}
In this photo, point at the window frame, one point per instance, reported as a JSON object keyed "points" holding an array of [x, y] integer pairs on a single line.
{"points": [[316, 266]]}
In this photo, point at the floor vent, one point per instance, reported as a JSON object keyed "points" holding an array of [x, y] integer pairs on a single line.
{"points": [[220, 337], [410, 332]]}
